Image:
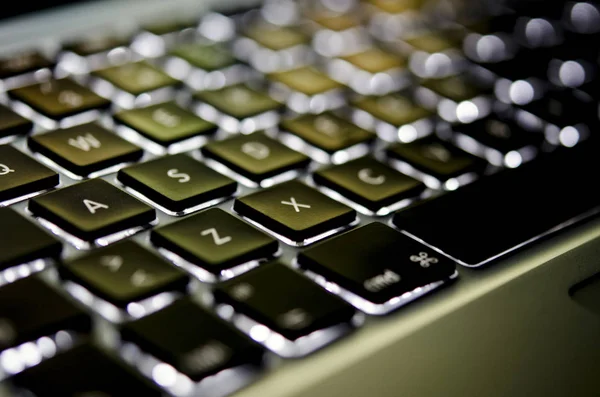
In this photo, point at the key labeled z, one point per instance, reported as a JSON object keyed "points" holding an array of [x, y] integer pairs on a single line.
{"points": [[218, 240]]}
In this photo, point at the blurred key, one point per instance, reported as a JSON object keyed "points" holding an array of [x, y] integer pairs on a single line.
{"points": [[136, 78], [369, 183], [306, 80], [58, 99], [327, 132], [275, 37], [21, 175], [305, 309], [123, 273], [165, 123], [17, 64], [92, 372], [256, 156], [22, 241], [95, 45], [208, 57], [214, 240], [30, 309], [195, 342], [388, 266], [12, 123], [177, 182], [92, 209], [294, 211], [434, 54], [396, 6], [85, 149]]}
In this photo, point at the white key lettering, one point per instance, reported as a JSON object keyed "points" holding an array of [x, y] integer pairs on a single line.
{"points": [[93, 206], [85, 142], [424, 259], [256, 150], [4, 169], [295, 204], [174, 173], [210, 355], [218, 240], [166, 119], [70, 98], [382, 281], [112, 262], [140, 278], [366, 175]]}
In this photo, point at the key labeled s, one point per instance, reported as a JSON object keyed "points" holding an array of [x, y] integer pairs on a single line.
{"points": [[368, 176], [174, 173]]}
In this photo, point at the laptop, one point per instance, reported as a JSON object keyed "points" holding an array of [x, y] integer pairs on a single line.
{"points": [[299, 198]]}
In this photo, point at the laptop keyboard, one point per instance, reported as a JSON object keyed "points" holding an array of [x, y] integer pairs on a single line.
{"points": [[196, 202]]}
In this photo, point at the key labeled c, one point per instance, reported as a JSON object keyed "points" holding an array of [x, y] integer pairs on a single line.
{"points": [[367, 176]]}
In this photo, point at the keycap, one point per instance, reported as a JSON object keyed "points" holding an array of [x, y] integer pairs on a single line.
{"points": [[165, 123], [124, 272], [327, 131], [456, 88], [294, 211], [12, 123], [136, 78], [256, 156], [369, 183], [22, 241], [85, 148], [214, 240], [284, 301], [335, 21], [239, 101], [205, 56], [195, 342], [275, 37], [564, 108], [30, 309], [434, 41], [436, 158], [501, 212], [58, 99], [90, 372], [22, 63], [377, 263], [305, 80], [91, 209], [21, 175], [95, 45], [396, 7], [177, 182]]}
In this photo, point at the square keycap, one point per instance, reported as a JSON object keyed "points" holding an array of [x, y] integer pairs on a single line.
{"points": [[239, 101], [21, 175], [136, 78], [306, 80]]}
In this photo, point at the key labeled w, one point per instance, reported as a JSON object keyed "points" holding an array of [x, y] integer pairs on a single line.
{"points": [[85, 142]]}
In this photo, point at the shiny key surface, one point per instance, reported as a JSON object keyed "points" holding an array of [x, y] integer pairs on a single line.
{"points": [[85, 149], [255, 156], [196, 342], [305, 80], [57, 99], [12, 123], [22, 241], [239, 101], [477, 223], [205, 56], [377, 263], [165, 123], [395, 109], [91, 373], [375, 60], [214, 240], [305, 309], [294, 210], [136, 78], [21, 175], [92, 209], [275, 37], [30, 309], [123, 273], [369, 183], [177, 182]]}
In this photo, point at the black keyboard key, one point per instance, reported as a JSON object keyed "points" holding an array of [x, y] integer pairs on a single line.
{"points": [[436, 158], [285, 301], [327, 132], [30, 309], [58, 99], [239, 101], [497, 214], [12, 123], [92, 209], [377, 263], [564, 108], [195, 342], [294, 211], [85, 149], [177, 182], [214, 240], [90, 372], [256, 156], [26, 62], [136, 78], [369, 183], [209, 57], [22, 241], [165, 123], [95, 45], [124, 273], [21, 175]]}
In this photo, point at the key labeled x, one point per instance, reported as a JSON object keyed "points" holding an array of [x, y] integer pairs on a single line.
{"points": [[295, 204]]}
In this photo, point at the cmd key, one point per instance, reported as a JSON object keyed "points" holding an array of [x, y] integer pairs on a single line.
{"points": [[482, 221]]}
